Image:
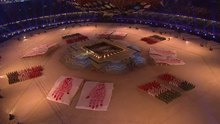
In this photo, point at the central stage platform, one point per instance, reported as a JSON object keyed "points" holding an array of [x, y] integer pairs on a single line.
{"points": [[101, 54]]}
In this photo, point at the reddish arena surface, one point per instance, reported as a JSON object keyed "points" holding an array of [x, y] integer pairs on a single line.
{"points": [[27, 100]]}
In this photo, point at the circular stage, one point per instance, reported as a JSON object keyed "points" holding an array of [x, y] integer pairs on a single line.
{"points": [[129, 105]]}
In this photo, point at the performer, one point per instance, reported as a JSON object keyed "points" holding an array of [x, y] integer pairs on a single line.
{"points": [[11, 116]]}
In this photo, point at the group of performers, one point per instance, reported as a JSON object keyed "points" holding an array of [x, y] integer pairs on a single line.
{"points": [[25, 74], [160, 91], [149, 40], [1, 95], [75, 38], [12, 77], [153, 39], [176, 81], [71, 35]]}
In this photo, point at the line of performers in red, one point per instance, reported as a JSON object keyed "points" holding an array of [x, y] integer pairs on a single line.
{"points": [[171, 79], [149, 40], [76, 38], [160, 91], [25, 74]]}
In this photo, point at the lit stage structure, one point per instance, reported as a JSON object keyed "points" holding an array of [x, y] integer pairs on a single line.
{"points": [[103, 55]]}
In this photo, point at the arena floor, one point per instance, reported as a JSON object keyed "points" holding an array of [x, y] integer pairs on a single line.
{"points": [[129, 105]]}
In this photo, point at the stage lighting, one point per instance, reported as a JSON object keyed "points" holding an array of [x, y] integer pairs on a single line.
{"points": [[24, 37]]}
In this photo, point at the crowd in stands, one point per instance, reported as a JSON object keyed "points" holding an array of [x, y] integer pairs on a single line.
{"points": [[171, 79], [73, 38], [25, 74], [173, 21], [203, 8], [35, 13], [160, 91]]}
